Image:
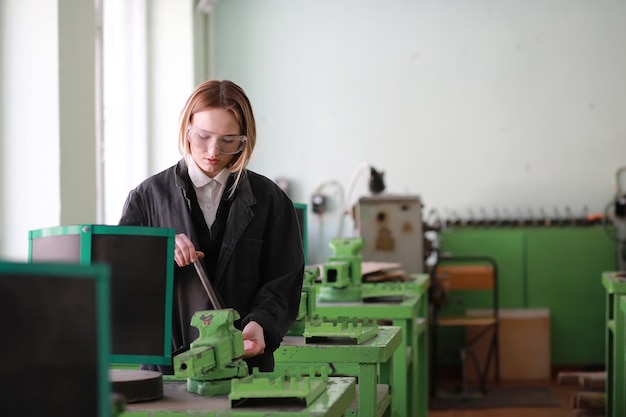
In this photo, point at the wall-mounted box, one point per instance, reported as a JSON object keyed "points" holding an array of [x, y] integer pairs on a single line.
{"points": [[393, 231]]}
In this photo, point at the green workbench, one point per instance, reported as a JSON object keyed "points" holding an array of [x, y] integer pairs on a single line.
{"points": [[615, 333], [373, 400], [177, 402], [409, 385]]}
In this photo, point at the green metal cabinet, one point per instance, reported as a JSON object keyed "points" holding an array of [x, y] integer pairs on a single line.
{"points": [[554, 267], [506, 246], [564, 266]]}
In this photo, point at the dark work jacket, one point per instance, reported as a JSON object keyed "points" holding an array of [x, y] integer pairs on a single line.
{"points": [[260, 266]]}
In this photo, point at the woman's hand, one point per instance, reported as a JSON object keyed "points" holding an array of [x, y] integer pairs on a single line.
{"points": [[253, 340], [184, 251]]}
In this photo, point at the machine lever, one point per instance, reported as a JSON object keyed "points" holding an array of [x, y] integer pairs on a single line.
{"points": [[207, 284]]}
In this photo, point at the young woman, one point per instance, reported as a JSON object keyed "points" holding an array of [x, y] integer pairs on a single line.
{"points": [[240, 224]]}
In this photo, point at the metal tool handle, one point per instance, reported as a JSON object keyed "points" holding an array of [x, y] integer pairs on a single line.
{"points": [[207, 284]]}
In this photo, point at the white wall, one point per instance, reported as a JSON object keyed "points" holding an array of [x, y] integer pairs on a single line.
{"points": [[29, 122], [469, 103], [48, 118], [515, 105]]}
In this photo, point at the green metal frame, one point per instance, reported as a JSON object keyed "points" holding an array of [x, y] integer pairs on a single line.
{"points": [[99, 273], [86, 233]]}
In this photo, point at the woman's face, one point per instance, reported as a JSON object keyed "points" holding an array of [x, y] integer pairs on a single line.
{"points": [[207, 129]]}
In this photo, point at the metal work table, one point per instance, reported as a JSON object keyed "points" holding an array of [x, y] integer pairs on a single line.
{"points": [[177, 402], [614, 336], [373, 400], [409, 387]]}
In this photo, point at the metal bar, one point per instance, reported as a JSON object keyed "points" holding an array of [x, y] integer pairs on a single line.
{"points": [[207, 284]]}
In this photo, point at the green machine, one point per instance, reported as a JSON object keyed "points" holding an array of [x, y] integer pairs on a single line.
{"points": [[343, 281]]}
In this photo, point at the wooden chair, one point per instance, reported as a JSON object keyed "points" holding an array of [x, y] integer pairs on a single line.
{"points": [[469, 273]]}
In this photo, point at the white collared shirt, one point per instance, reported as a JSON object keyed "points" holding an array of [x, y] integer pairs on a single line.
{"points": [[208, 190]]}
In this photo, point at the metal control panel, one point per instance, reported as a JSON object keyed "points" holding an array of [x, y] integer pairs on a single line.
{"points": [[392, 229]]}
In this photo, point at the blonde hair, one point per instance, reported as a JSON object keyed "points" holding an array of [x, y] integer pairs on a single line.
{"points": [[226, 95]]}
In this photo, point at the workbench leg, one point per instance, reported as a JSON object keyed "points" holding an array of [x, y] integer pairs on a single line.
{"points": [[367, 389], [608, 355], [400, 393], [616, 365], [413, 385], [422, 379], [614, 357]]}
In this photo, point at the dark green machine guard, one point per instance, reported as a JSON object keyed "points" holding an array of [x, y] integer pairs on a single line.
{"points": [[214, 359]]}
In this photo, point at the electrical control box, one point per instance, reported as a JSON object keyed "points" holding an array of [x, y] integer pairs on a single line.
{"points": [[392, 230]]}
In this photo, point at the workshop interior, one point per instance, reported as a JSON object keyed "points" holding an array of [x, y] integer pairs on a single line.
{"points": [[458, 172]]}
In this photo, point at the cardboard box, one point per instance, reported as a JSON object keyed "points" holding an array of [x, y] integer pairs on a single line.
{"points": [[524, 346]]}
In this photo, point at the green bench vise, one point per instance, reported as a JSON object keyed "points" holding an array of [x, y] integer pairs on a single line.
{"points": [[342, 277], [213, 359]]}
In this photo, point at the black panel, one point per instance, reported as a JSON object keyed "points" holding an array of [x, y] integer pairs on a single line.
{"points": [[138, 287], [48, 353]]}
